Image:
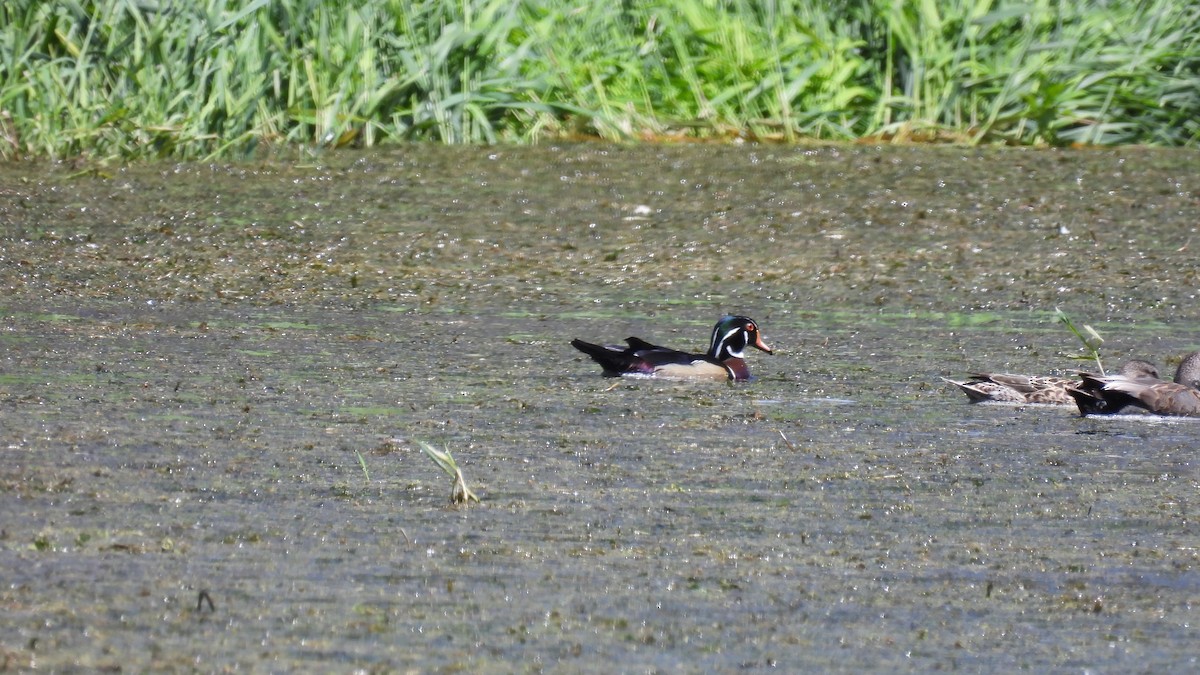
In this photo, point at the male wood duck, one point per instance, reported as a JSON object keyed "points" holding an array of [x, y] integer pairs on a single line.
{"points": [[1043, 389], [724, 360], [1110, 394]]}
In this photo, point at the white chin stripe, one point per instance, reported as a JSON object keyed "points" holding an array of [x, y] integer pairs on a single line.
{"points": [[736, 354]]}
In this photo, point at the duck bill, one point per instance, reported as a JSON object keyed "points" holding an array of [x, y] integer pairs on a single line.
{"points": [[759, 344]]}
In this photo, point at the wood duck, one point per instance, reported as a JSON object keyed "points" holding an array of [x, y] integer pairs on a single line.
{"points": [[1109, 394], [724, 360], [1043, 389]]}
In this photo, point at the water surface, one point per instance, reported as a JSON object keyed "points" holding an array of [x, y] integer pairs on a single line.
{"points": [[195, 358]]}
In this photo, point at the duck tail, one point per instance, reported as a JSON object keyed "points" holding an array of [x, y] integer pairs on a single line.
{"points": [[613, 361]]}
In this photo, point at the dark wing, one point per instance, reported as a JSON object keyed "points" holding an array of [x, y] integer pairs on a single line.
{"points": [[639, 357], [1157, 396], [614, 360]]}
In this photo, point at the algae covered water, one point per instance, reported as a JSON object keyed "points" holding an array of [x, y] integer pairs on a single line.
{"points": [[214, 378]]}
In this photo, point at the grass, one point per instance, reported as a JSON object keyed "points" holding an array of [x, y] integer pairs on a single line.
{"points": [[127, 79], [362, 463]]}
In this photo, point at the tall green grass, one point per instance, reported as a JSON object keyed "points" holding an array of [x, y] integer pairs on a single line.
{"points": [[132, 78]]}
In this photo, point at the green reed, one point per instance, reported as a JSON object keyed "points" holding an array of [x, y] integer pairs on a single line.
{"points": [[135, 78], [1087, 336]]}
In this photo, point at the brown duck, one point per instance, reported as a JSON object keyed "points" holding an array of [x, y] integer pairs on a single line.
{"points": [[1110, 394], [1043, 389]]}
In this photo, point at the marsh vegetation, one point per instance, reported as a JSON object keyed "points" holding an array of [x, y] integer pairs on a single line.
{"points": [[116, 79]]}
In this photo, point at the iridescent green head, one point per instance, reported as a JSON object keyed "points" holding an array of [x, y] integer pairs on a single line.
{"points": [[732, 335]]}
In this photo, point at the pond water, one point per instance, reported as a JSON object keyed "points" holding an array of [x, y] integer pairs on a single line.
{"points": [[213, 379]]}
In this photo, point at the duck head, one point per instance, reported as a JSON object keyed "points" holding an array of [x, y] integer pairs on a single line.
{"points": [[732, 335]]}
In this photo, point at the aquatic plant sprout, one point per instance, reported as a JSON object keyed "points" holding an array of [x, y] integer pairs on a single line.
{"points": [[1088, 336], [363, 464], [460, 493]]}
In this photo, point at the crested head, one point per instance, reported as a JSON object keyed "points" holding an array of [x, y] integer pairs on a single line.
{"points": [[732, 335]]}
